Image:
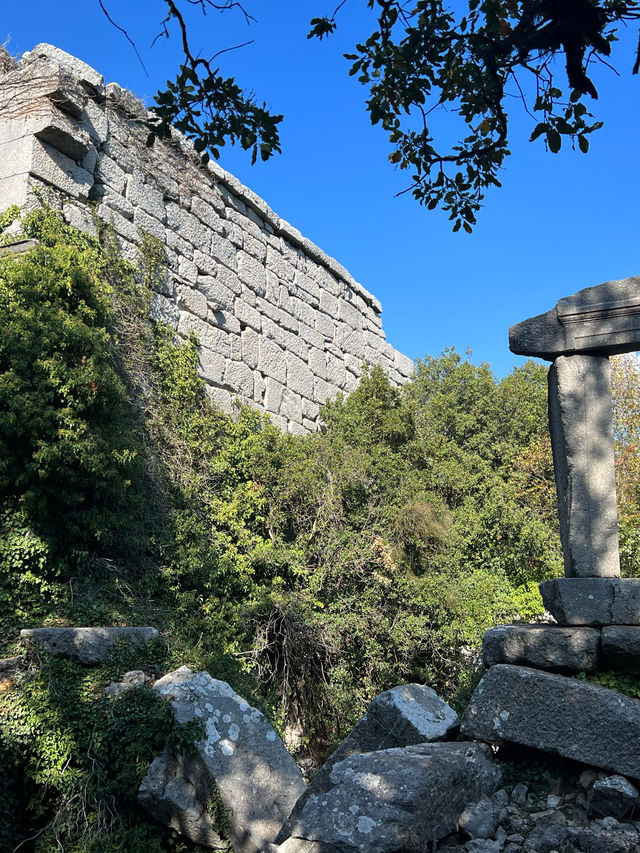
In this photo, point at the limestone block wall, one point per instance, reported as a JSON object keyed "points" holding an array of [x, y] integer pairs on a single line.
{"points": [[281, 325]]}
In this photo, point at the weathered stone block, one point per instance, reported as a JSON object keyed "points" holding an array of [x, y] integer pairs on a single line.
{"points": [[543, 647], [605, 318], [613, 796], [175, 792], [257, 780], [252, 273], [239, 376], [560, 715], [193, 301], [396, 799], [247, 315], [593, 601], [621, 647], [78, 69], [60, 171], [271, 360], [580, 420], [86, 645], [299, 376]]}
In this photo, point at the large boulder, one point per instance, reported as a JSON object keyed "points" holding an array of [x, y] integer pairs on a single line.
{"points": [[546, 647], [254, 779], [394, 799], [403, 716], [86, 645], [560, 715]]}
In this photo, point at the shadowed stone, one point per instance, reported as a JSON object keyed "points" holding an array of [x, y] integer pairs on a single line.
{"points": [[621, 647], [614, 797], [593, 601], [605, 318], [396, 799], [175, 792], [86, 645], [560, 715], [543, 647], [581, 428]]}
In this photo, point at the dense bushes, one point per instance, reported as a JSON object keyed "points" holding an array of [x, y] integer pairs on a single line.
{"points": [[312, 572]]}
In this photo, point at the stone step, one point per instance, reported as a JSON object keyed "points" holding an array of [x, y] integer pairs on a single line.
{"points": [[549, 647]]}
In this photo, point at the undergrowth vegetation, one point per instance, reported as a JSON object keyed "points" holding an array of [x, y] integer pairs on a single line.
{"points": [[310, 572]]}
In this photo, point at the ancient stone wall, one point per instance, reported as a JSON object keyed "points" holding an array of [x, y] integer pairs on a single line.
{"points": [[281, 325]]}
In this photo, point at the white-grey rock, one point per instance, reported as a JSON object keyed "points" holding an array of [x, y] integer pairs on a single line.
{"points": [[257, 780]]}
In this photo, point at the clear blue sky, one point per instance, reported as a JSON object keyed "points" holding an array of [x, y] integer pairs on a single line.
{"points": [[559, 223]]}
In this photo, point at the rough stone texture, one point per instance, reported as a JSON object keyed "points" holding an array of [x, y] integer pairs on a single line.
{"points": [[257, 780], [403, 716], [605, 318], [621, 647], [396, 799], [543, 647], [86, 645], [479, 820], [560, 715], [593, 601], [129, 681], [580, 422], [62, 129], [175, 791], [613, 796]]}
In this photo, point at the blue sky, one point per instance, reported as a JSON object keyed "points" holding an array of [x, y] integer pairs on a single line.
{"points": [[559, 223]]}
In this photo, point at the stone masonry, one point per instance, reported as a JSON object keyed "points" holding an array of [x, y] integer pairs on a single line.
{"points": [[281, 325]]}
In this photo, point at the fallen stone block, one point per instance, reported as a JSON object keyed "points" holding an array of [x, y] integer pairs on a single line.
{"points": [[86, 645], [593, 601], [176, 791], [256, 779], [403, 716], [621, 647], [545, 647], [479, 820], [560, 715], [613, 796], [395, 799]]}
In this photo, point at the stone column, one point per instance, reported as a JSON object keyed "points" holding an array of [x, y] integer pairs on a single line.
{"points": [[580, 420]]}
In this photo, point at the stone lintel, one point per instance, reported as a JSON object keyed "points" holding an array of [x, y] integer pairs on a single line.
{"points": [[604, 319], [593, 601]]}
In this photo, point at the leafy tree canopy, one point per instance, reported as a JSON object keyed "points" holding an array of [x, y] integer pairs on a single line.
{"points": [[424, 56]]}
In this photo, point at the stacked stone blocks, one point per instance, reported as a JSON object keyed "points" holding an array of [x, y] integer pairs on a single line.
{"points": [[525, 697], [281, 325]]}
